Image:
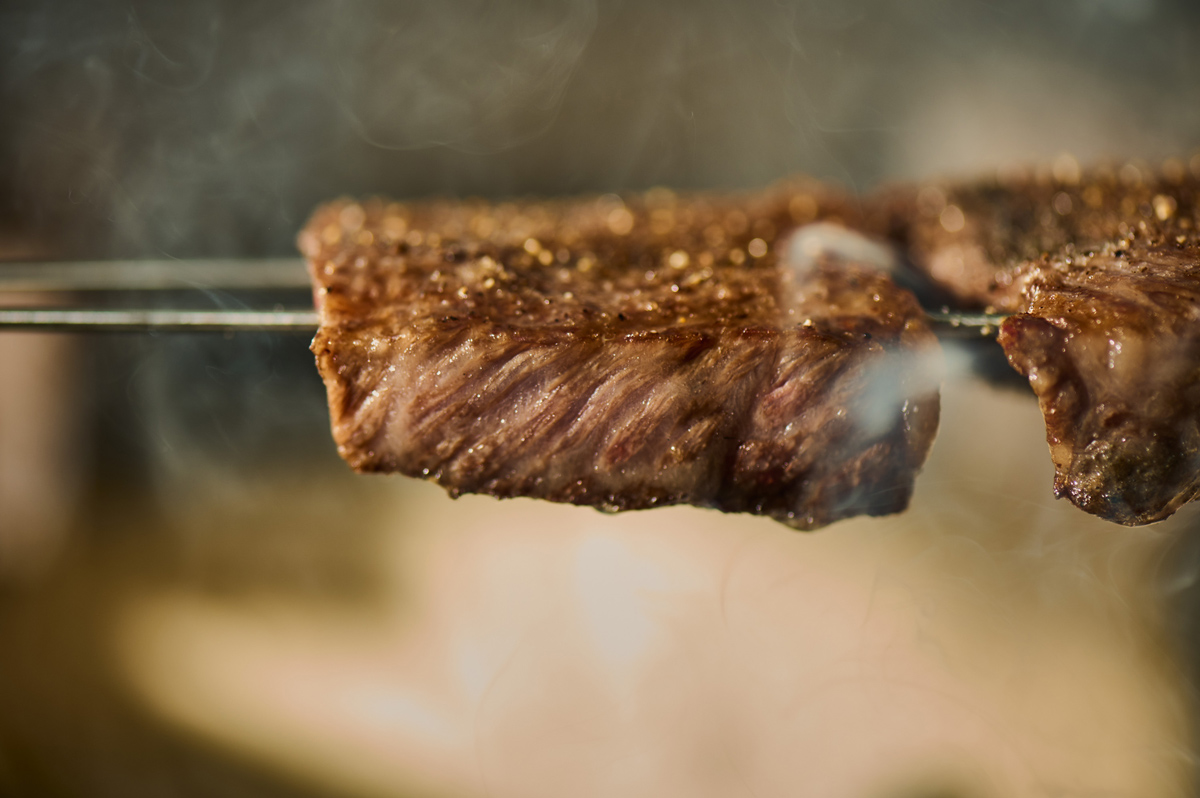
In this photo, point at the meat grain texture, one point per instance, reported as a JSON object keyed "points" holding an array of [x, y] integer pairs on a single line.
{"points": [[624, 353], [1100, 272]]}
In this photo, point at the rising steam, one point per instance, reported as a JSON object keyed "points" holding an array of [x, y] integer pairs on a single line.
{"points": [[410, 75]]}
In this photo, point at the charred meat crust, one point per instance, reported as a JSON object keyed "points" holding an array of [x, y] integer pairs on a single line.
{"points": [[622, 354]]}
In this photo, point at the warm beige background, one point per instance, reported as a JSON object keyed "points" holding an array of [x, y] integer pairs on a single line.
{"points": [[989, 642]]}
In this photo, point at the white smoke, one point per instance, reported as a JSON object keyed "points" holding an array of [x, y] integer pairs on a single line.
{"points": [[416, 75]]}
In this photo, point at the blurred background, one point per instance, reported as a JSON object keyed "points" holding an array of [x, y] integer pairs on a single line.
{"points": [[197, 597]]}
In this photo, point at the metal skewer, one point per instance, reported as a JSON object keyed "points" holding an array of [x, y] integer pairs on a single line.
{"points": [[277, 273], [41, 281], [60, 320], [153, 275], [951, 323], [71, 320]]}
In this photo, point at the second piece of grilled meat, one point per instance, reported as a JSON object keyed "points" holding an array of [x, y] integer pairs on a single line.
{"points": [[1101, 272]]}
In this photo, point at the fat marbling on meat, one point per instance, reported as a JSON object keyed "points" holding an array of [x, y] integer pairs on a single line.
{"points": [[625, 353]]}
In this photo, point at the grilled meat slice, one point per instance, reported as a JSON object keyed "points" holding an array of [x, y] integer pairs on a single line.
{"points": [[971, 238], [623, 354], [1110, 342], [1102, 273]]}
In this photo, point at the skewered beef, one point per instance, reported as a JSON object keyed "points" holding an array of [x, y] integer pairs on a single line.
{"points": [[970, 238], [626, 354], [1102, 274], [1110, 342]]}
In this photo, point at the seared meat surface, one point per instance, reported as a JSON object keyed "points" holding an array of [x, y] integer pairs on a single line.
{"points": [[1110, 342], [1102, 274], [624, 354], [970, 238]]}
